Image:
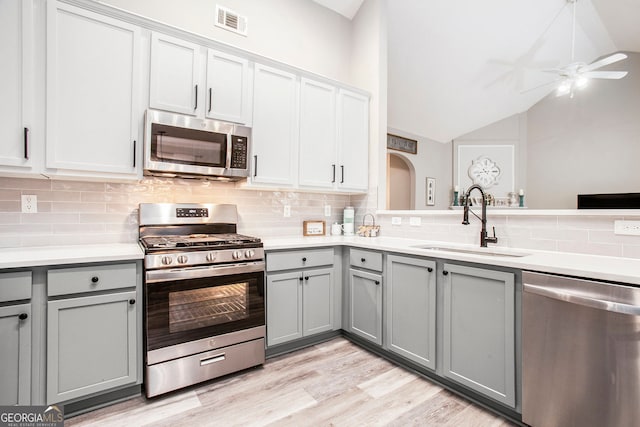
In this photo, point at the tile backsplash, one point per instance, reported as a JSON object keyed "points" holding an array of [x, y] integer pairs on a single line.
{"points": [[566, 232], [79, 212]]}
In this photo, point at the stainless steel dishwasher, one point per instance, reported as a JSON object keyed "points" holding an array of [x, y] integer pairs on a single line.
{"points": [[580, 352]]}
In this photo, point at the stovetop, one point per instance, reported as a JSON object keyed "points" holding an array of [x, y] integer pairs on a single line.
{"points": [[195, 241]]}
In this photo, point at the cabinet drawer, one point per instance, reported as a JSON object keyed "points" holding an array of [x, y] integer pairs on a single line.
{"points": [[15, 286], [75, 280], [365, 259], [289, 260]]}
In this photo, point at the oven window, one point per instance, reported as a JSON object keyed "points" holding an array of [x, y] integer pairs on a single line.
{"points": [[202, 308], [179, 311], [188, 146]]}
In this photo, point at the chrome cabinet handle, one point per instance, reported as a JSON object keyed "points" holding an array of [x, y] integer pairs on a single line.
{"points": [[342, 174], [210, 98], [134, 153], [333, 179], [255, 165], [196, 106]]}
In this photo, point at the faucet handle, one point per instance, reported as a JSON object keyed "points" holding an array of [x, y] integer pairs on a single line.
{"points": [[493, 239]]}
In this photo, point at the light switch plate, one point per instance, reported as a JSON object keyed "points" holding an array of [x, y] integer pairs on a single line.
{"points": [[396, 220], [287, 211], [327, 210], [415, 221], [629, 228], [29, 203]]}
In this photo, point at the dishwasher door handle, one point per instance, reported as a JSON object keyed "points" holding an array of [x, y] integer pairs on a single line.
{"points": [[600, 304]]}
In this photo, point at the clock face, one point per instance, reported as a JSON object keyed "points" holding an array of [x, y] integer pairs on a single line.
{"points": [[484, 172]]}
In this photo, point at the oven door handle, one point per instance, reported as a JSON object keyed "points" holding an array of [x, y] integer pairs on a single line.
{"points": [[154, 276]]}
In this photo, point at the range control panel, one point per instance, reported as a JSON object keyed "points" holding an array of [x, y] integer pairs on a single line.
{"points": [[192, 212]]}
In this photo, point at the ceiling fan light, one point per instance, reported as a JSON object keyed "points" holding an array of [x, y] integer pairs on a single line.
{"points": [[581, 82], [563, 88]]}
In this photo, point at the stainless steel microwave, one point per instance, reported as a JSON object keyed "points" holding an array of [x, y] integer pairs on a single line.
{"points": [[183, 146]]}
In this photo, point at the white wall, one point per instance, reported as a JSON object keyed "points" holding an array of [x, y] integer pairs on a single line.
{"points": [[586, 145], [297, 32], [432, 160]]}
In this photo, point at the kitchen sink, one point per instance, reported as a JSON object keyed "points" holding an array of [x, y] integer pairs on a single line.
{"points": [[483, 252]]}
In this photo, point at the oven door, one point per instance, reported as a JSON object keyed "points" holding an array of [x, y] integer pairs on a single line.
{"points": [[185, 305]]}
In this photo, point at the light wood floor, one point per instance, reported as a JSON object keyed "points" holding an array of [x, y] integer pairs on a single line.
{"points": [[335, 383]]}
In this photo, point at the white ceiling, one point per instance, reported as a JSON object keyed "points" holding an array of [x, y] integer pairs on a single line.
{"points": [[456, 66], [346, 8]]}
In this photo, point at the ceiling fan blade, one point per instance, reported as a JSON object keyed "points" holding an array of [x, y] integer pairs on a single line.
{"points": [[604, 61], [539, 86], [604, 74]]}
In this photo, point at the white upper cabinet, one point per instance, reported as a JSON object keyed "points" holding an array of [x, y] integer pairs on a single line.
{"points": [[353, 141], [15, 85], [175, 75], [227, 96], [334, 138], [178, 82], [92, 89], [318, 162], [275, 127]]}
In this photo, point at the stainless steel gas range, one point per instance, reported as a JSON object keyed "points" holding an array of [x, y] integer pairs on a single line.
{"points": [[204, 295]]}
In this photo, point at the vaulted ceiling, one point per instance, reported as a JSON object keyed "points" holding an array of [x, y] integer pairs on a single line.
{"points": [[456, 66]]}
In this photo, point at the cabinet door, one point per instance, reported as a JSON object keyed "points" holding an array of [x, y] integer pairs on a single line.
{"points": [[317, 307], [92, 88], [284, 307], [318, 166], [365, 305], [15, 354], [15, 82], [479, 330], [353, 140], [227, 96], [175, 75], [274, 127], [91, 345], [410, 300]]}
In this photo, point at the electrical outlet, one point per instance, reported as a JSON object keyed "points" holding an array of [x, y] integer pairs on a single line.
{"points": [[396, 220], [29, 203], [415, 221], [630, 228], [287, 211], [327, 210]]}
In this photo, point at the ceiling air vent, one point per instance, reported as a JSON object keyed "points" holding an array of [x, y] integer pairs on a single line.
{"points": [[229, 20]]}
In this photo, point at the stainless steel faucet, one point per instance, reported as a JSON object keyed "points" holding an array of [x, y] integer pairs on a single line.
{"points": [[484, 239]]}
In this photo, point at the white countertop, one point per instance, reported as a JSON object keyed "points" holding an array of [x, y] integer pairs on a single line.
{"points": [[72, 254], [626, 270]]}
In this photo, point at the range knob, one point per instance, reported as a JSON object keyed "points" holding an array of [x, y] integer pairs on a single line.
{"points": [[211, 256], [237, 254], [166, 260], [182, 259], [249, 253]]}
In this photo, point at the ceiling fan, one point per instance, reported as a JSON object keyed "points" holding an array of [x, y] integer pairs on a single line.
{"points": [[576, 75]]}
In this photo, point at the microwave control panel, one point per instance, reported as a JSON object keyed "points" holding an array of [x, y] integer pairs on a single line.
{"points": [[238, 152]]}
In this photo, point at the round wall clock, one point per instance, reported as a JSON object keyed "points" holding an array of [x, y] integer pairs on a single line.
{"points": [[484, 172]]}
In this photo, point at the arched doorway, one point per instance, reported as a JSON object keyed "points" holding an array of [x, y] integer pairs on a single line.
{"points": [[400, 183]]}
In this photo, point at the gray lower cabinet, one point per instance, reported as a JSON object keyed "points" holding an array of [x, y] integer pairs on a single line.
{"points": [[93, 317], [15, 355], [479, 330], [15, 338], [299, 304], [365, 305], [410, 309]]}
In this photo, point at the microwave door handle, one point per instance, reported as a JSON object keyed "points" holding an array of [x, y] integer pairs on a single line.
{"points": [[229, 149]]}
